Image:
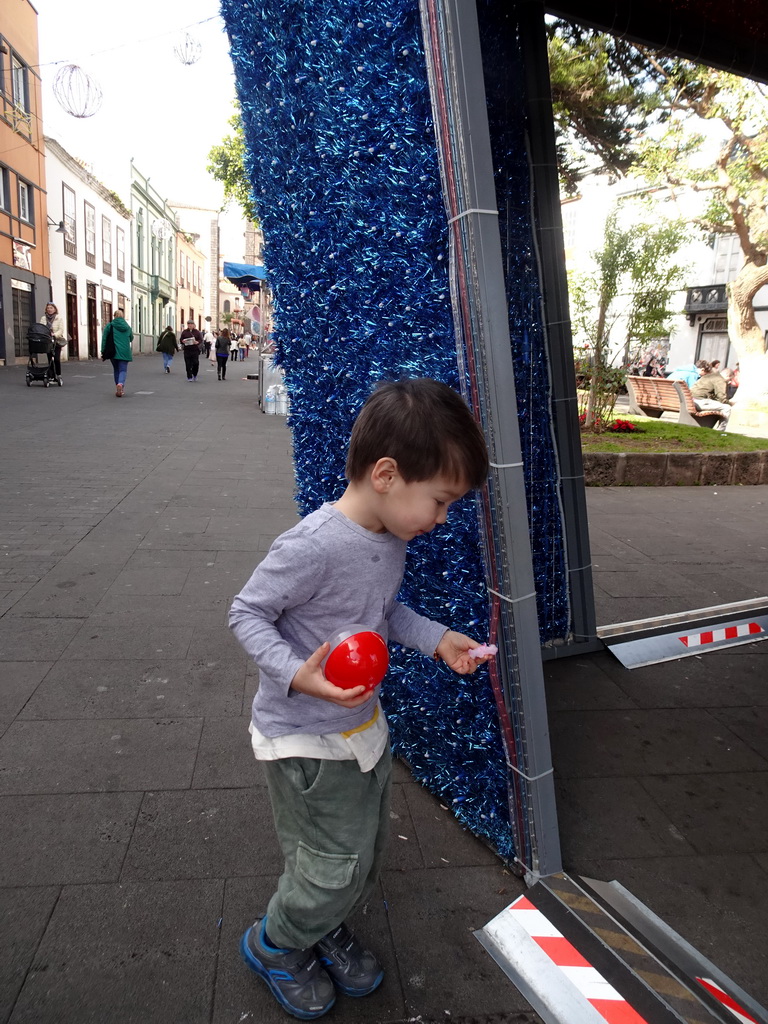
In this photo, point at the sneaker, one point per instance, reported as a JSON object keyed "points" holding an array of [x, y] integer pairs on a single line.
{"points": [[294, 976], [167, 369], [354, 970], [119, 391]]}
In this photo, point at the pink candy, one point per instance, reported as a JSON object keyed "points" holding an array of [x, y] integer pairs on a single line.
{"points": [[482, 650]]}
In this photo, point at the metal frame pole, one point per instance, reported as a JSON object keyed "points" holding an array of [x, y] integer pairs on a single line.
{"points": [[459, 90]]}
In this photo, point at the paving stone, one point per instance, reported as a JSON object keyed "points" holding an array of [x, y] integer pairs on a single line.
{"points": [[20, 679], [737, 804], [583, 684], [436, 929], [225, 757], [28, 639], [149, 582], [711, 681], [218, 833], [442, 843], [103, 637], [600, 744], [98, 756], [151, 947], [748, 723], [218, 580], [404, 853], [160, 558], [137, 689], [65, 840], [72, 592], [614, 818], [24, 915]]}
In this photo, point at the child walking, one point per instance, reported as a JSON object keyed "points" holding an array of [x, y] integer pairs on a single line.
{"points": [[414, 450]]}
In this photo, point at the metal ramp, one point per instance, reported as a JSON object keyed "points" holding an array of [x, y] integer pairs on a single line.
{"points": [[685, 634], [587, 952]]}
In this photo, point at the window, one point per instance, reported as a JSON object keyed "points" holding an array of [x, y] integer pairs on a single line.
{"points": [[728, 258], [19, 85], [181, 270], [120, 253], [25, 202], [70, 223], [106, 244], [90, 235], [227, 306], [4, 188], [140, 240]]}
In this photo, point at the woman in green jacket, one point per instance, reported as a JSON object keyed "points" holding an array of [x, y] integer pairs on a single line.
{"points": [[116, 341], [168, 345]]}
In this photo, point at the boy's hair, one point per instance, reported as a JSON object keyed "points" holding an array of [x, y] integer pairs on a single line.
{"points": [[425, 426]]}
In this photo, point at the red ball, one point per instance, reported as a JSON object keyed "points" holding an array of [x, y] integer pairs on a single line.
{"points": [[357, 659]]}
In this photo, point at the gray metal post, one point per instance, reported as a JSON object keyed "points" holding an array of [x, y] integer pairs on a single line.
{"points": [[455, 22], [548, 229]]}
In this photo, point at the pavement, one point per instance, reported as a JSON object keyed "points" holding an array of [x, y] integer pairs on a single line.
{"points": [[137, 838]]}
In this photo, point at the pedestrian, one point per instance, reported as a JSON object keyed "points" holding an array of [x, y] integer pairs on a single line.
{"points": [[116, 339], [709, 392], [415, 449], [191, 343], [241, 347], [233, 349], [168, 345], [208, 342], [223, 345], [55, 324], [247, 343]]}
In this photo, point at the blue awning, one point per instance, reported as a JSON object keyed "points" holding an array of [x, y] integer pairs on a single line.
{"points": [[243, 274]]}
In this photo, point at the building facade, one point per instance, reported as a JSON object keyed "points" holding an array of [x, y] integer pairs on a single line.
{"points": [[153, 268], [90, 251], [24, 222], [190, 281]]}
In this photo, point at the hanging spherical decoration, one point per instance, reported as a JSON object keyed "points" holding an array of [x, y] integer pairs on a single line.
{"points": [[78, 93], [161, 229], [188, 49]]}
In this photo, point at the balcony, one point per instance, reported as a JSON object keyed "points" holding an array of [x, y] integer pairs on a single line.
{"points": [[710, 298]]}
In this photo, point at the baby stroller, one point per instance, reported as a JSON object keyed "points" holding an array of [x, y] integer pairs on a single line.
{"points": [[40, 343]]}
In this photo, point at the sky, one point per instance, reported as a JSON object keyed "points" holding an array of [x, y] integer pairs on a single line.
{"points": [[163, 113]]}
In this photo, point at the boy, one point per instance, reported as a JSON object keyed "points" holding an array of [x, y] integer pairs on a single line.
{"points": [[414, 450]]}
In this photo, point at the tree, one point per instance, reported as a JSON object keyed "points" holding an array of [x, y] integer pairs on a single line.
{"points": [[600, 105], [227, 165], [735, 185], [636, 277]]}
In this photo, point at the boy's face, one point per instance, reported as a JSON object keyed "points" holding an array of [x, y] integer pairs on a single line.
{"points": [[408, 510]]}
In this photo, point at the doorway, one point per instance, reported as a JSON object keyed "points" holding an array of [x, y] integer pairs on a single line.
{"points": [[73, 348], [21, 292], [93, 341]]}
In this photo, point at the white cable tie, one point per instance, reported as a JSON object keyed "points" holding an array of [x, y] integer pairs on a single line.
{"points": [[466, 213], [530, 778], [581, 568], [505, 465], [511, 600]]}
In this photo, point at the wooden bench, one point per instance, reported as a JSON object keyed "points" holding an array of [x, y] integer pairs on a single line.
{"points": [[652, 396]]}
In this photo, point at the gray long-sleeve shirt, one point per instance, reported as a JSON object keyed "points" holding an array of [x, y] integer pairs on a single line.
{"points": [[323, 575]]}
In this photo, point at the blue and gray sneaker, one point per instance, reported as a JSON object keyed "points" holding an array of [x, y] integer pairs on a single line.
{"points": [[354, 970], [295, 976]]}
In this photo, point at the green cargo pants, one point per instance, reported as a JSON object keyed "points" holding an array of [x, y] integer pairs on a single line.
{"points": [[332, 821]]}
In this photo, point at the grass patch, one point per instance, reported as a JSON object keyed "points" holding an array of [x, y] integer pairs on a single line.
{"points": [[665, 436]]}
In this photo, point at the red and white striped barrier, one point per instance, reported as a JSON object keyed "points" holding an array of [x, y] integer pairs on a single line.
{"points": [[713, 636], [730, 1004], [599, 993]]}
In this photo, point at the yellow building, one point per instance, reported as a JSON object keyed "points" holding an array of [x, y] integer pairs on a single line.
{"points": [[190, 273], [25, 285]]}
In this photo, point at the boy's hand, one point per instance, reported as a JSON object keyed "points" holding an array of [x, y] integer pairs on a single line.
{"points": [[310, 680], [453, 649]]}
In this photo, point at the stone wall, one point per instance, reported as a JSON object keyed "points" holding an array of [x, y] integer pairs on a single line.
{"points": [[682, 469]]}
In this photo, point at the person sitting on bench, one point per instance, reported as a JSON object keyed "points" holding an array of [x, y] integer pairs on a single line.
{"points": [[709, 393]]}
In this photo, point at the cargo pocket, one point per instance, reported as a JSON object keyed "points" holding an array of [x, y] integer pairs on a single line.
{"points": [[326, 870]]}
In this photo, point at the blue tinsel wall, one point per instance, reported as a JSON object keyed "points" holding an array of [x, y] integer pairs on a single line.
{"points": [[341, 155]]}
